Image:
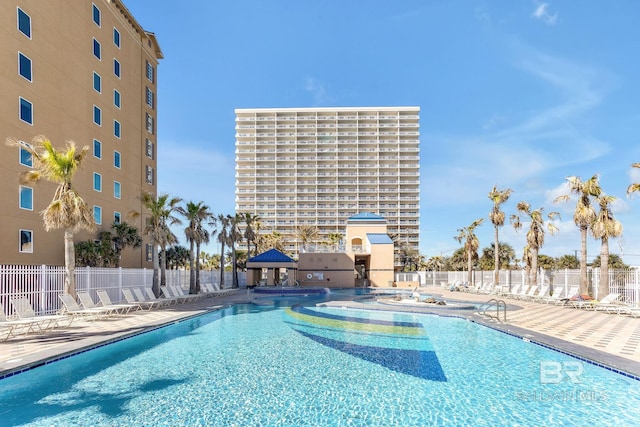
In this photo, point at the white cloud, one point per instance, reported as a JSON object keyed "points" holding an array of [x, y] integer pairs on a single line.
{"points": [[542, 13], [317, 90]]}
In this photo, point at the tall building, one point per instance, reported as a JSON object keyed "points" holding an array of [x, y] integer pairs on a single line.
{"points": [[84, 71], [320, 166]]}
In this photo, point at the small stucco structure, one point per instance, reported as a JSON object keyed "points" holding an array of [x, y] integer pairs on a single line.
{"points": [[274, 262], [364, 259]]}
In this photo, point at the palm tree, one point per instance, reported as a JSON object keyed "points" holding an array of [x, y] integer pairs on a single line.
{"points": [[334, 239], [195, 214], [583, 216], [160, 219], [496, 216], [535, 235], [471, 243], [235, 236], [307, 234], [604, 228], [636, 185], [67, 210], [223, 237], [124, 235], [252, 227]]}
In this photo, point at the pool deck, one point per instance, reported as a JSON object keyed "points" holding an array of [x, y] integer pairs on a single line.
{"points": [[609, 339]]}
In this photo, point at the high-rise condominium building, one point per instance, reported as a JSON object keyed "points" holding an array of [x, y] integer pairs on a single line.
{"points": [[319, 166], [84, 71]]}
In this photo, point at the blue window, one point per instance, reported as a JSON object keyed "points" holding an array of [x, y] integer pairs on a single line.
{"points": [[96, 15], [26, 198], [150, 72], [97, 181], [116, 159], [116, 98], [97, 82], [116, 128], [116, 67], [116, 189], [96, 49], [26, 241], [97, 116], [149, 97], [117, 217], [97, 214], [24, 23], [25, 158], [24, 66], [97, 149], [26, 111], [116, 37]]}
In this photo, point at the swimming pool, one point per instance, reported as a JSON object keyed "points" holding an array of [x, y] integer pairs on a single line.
{"points": [[319, 366]]}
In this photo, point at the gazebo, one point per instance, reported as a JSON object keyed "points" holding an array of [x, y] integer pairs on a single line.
{"points": [[273, 260]]}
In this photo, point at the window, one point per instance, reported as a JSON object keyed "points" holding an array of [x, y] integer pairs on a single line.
{"points": [[116, 159], [26, 198], [150, 72], [149, 97], [26, 241], [116, 129], [96, 48], [26, 111], [149, 251], [150, 121], [117, 217], [24, 23], [24, 66], [150, 149], [97, 82], [116, 189], [25, 158], [149, 174], [97, 181], [97, 214], [116, 98], [116, 37], [116, 68], [96, 15], [97, 116], [97, 149]]}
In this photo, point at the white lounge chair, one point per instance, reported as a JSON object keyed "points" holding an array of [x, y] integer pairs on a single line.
{"points": [[73, 308], [153, 302], [24, 310], [14, 327], [530, 294], [179, 292], [105, 300], [141, 304], [542, 294], [87, 302], [168, 300]]}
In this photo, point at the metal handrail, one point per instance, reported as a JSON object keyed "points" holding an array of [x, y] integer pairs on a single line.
{"points": [[499, 304]]}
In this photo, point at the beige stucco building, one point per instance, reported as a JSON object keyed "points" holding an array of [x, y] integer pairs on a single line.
{"points": [[320, 166], [365, 258], [84, 71]]}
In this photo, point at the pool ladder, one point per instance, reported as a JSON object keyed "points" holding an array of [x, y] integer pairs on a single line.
{"points": [[499, 305]]}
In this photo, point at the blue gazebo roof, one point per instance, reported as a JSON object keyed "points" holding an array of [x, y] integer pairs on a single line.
{"points": [[366, 216], [272, 256]]}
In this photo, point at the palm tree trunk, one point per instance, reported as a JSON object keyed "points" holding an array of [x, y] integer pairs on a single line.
{"points": [[69, 263], [469, 265], [583, 260], [534, 267], [155, 284], [197, 267], [496, 258], [222, 267], [192, 269], [603, 286], [235, 267], [163, 266]]}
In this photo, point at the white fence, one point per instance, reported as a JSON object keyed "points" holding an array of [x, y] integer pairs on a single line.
{"points": [[42, 284], [623, 282]]}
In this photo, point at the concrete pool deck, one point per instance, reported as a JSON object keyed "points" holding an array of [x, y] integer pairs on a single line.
{"points": [[609, 339]]}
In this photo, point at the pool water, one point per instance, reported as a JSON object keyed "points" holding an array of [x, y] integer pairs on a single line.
{"points": [[319, 366]]}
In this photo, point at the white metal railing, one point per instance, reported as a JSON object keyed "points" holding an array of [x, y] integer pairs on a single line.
{"points": [[625, 282], [42, 284]]}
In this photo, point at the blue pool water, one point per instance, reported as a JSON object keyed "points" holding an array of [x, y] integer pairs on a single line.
{"points": [[319, 366]]}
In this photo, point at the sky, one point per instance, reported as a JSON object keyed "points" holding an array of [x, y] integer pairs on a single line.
{"points": [[518, 94]]}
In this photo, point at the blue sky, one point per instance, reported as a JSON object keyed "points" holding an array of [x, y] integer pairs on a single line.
{"points": [[518, 94]]}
